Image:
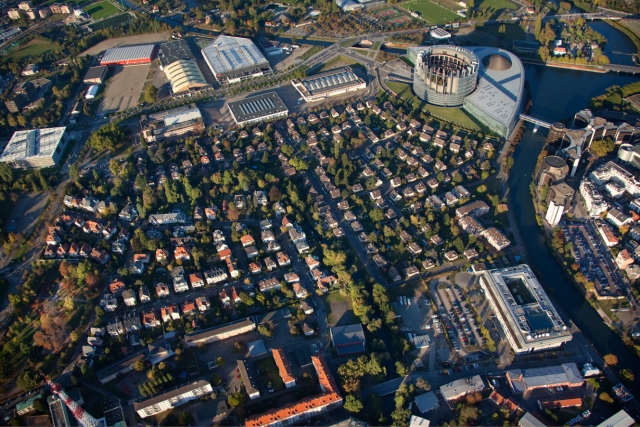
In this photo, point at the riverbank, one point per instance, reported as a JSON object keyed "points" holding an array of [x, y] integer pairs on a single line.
{"points": [[591, 69]]}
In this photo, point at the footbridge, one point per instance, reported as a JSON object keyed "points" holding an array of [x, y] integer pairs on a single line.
{"points": [[535, 121]]}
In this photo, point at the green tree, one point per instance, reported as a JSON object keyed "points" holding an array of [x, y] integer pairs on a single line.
{"points": [[353, 404], [628, 375], [185, 419], [602, 147], [236, 399], [151, 94], [265, 330]]}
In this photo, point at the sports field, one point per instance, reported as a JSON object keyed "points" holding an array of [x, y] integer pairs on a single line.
{"points": [[34, 48], [496, 4], [101, 10], [433, 13]]}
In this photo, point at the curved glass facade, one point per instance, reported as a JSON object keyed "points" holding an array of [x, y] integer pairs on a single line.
{"points": [[445, 75]]}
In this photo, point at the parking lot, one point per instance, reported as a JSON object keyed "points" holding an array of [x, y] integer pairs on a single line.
{"points": [[123, 89], [595, 262]]}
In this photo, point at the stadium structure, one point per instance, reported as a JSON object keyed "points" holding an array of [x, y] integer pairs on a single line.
{"points": [[529, 321], [487, 82], [35, 148], [233, 59], [129, 55], [329, 83]]}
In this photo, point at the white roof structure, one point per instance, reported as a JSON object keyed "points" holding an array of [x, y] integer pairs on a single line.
{"points": [[440, 34], [528, 420], [177, 115], [620, 419], [34, 148], [524, 310], [462, 387], [92, 91], [127, 53], [500, 89], [228, 54], [183, 75], [416, 421]]}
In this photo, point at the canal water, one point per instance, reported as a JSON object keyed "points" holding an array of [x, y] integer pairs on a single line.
{"points": [[558, 94], [619, 47]]}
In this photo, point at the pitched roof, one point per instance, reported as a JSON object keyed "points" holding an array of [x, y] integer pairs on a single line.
{"points": [[283, 365]]}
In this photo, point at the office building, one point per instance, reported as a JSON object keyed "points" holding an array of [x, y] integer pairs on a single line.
{"points": [[529, 321], [27, 95], [129, 55], [257, 109], [35, 149], [462, 387], [445, 75], [559, 199], [329, 83], [553, 169], [233, 59], [565, 375], [592, 198], [613, 172], [172, 123], [172, 399]]}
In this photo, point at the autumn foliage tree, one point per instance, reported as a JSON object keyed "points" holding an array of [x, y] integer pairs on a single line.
{"points": [[53, 332]]}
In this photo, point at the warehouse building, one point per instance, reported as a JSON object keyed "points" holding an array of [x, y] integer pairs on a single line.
{"points": [[95, 75], [233, 59], [129, 55], [330, 83], [219, 333], [172, 123], [34, 149], [257, 109]]}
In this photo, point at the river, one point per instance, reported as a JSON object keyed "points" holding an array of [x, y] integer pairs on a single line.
{"points": [[558, 94]]}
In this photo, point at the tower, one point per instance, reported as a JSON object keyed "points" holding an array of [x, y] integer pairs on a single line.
{"points": [[556, 133], [84, 418]]}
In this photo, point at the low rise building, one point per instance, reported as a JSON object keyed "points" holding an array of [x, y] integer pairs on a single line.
{"points": [[172, 399], [522, 380], [462, 387], [219, 333]]}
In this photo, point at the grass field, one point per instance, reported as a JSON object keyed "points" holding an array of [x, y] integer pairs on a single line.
{"points": [[101, 10], [433, 13], [495, 4], [269, 373], [454, 115], [339, 61], [34, 48]]}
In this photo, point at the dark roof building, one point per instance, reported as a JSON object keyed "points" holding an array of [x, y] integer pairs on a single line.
{"points": [[95, 75], [258, 108], [218, 333], [248, 378], [123, 366], [348, 339], [173, 51]]}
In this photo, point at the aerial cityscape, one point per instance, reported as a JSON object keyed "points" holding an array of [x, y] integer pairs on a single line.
{"points": [[338, 213]]}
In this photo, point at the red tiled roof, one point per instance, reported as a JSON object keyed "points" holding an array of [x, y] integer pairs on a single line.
{"points": [[283, 365]]}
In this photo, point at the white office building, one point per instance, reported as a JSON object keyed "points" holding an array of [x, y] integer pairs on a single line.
{"points": [[35, 148], [173, 398]]}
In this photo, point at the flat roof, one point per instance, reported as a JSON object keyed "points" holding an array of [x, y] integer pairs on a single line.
{"points": [[176, 116], [169, 395], [529, 420], [523, 379], [227, 54], [523, 307], [196, 336], [34, 143], [255, 107], [175, 50], [127, 53], [95, 72], [619, 419], [499, 92]]}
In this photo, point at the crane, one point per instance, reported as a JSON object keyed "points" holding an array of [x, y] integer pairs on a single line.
{"points": [[84, 418]]}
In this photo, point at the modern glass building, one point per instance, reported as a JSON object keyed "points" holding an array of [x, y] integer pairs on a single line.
{"points": [[445, 75]]}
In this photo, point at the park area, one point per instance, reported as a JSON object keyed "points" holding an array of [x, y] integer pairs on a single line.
{"points": [[434, 14], [453, 115], [101, 10], [34, 48]]}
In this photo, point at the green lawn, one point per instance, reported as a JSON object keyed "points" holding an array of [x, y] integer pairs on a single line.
{"points": [[101, 10], [454, 115], [376, 45], [495, 4], [269, 373], [34, 48], [338, 61], [512, 32], [433, 13]]}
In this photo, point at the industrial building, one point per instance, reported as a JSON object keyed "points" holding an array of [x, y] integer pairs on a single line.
{"points": [[522, 380], [329, 83], [173, 398], [35, 148], [528, 318], [95, 75], [233, 59], [172, 123], [257, 109], [129, 55]]}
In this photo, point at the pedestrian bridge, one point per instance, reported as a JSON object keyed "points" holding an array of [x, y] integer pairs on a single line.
{"points": [[535, 121]]}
